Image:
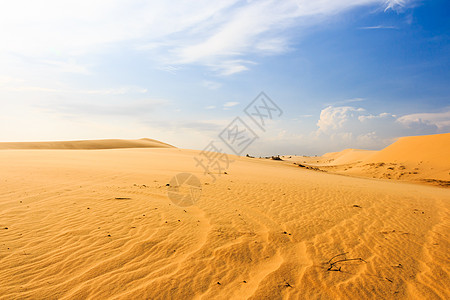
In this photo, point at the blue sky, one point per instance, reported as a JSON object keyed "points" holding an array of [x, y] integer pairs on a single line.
{"points": [[348, 73]]}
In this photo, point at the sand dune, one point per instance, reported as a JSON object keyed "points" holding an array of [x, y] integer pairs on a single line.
{"points": [[87, 144], [348, 156], [430, 149], [98, 225], [423, 159]]}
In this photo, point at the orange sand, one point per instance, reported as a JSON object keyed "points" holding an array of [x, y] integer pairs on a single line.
{"points": [[93, 144], [98, 225], [420, 159]]}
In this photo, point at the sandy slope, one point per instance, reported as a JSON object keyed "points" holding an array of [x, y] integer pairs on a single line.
{"points": [[87, 144], [423, 159], [265, 230], [348, 156], [430, 149]]}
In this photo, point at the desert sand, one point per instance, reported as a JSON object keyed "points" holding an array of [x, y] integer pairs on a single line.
{"points": [[418, 159], [87, 145], [82, 224]]}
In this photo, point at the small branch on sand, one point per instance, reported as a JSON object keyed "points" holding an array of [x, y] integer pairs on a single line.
{"points": [[286, 284], [336, 256], [333, 264]]}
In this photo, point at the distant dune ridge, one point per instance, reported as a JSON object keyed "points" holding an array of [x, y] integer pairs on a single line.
{"points": [[87, 144], [430, 149], [348, 156], [413, 158], [433, 149]]}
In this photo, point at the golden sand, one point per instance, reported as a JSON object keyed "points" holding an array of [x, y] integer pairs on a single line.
{"points": [[77, 224], [419, 159]]}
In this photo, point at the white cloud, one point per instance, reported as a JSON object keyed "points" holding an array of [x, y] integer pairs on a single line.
{"points": [[217, 34], [346, 126], [170, 69], [441, 120], [230, 104], [333, 118], [378, 27], [395, 4]]}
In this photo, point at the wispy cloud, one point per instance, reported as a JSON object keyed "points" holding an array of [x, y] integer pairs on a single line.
{"points": [[227, 105], [220, 35], [441, 120], [395, 4], [170, 69], [379, 27]]}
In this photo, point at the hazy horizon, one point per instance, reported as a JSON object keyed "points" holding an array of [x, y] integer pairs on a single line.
{"points": [[345, 74]]}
